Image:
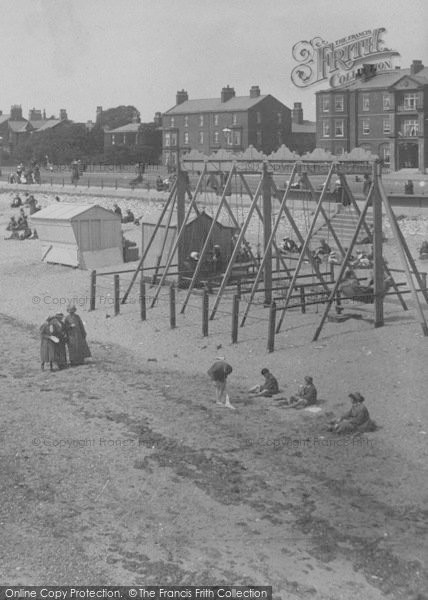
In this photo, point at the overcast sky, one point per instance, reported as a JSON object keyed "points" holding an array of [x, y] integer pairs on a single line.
{"points": [[78, 54]]}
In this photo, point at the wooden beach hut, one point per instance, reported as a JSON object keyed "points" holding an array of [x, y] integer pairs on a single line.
{"points": [[79, 235]]}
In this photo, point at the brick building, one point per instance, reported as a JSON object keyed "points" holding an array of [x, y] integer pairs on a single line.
{"points": [[228, 121], [15, 129], [381, 112], [137, 136]]}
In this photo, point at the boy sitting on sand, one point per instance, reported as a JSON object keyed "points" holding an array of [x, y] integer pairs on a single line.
{"points": [[268, 388], [306, 395]]}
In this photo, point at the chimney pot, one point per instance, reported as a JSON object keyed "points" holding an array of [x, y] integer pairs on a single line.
{"points": [[227, 93], [297, 113], [181, 96], [416, 66], [254, 91]]}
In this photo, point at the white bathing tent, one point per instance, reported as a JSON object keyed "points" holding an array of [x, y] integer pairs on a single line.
{"points": [[80, 235]]}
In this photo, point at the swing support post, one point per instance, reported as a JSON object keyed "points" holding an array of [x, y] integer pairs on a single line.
{"points": [[267, 229], [378, 271]]}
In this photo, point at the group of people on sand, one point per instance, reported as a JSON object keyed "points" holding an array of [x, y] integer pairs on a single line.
{"points": [[60, 336], [355, 420], [18, 226]]}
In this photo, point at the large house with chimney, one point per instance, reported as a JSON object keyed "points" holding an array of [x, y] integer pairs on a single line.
{"points": [[228, 121], [383, 112], [15, 128]]}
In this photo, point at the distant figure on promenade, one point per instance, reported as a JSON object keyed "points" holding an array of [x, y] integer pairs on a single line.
{"points": [[423, 250], [129, 217], [408, 187], [78, 348], [367, 184], [117, 210], [219, 372], [75, 171]]}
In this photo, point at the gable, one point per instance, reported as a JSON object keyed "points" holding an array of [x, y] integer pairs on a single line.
{"points": [[405, 83]]}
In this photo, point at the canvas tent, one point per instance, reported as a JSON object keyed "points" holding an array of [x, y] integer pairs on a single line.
{"points": [[196, 232], [80, 235]]}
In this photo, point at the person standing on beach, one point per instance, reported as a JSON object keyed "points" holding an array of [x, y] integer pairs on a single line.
{"points": [[219, 372], [78, 348], [60, 333], [47, 344]]}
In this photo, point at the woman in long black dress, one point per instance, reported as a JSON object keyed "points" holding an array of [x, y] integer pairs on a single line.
{"points": [[78, 348]]}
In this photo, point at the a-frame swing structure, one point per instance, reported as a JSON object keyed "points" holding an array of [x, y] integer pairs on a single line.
{"points": [[253, 163], [377, 198]]}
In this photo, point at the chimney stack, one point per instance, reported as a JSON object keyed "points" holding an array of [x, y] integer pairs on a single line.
{"points": [[16, 112], [416, 66], [158, 119], [98, 113], [181, 97], [63, 114], [254, 91], [227, 93], [297, 113]]}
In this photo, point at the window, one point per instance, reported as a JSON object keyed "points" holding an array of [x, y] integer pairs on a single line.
{"points": [[186, 121], [339, 150], [410, 101], [216, 137], [366, 102], [215, 119], [338, 128], [325, 103], [339, 103], [124, 138], [172, 122], [410, 128], [259, 117], [113, 139], [236, 138], [326, 129], [173, 139], [186, 138], [201, 137], [366, 127], [234, 119], [386, 101], [386, 126], [279, 115], [167, 139], [258, 138], [201, 120]]}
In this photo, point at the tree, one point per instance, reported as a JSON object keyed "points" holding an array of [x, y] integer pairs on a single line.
{"points": [[116, 117], [62, 144]]}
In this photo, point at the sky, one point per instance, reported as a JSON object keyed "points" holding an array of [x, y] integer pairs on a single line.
{"points": [[80, 54]]}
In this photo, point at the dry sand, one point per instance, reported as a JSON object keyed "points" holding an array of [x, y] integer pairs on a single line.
{"points": [[204, 495]]}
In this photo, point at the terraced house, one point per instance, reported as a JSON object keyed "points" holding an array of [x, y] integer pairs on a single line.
{"points": [[382, 112], [229, 121]]}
